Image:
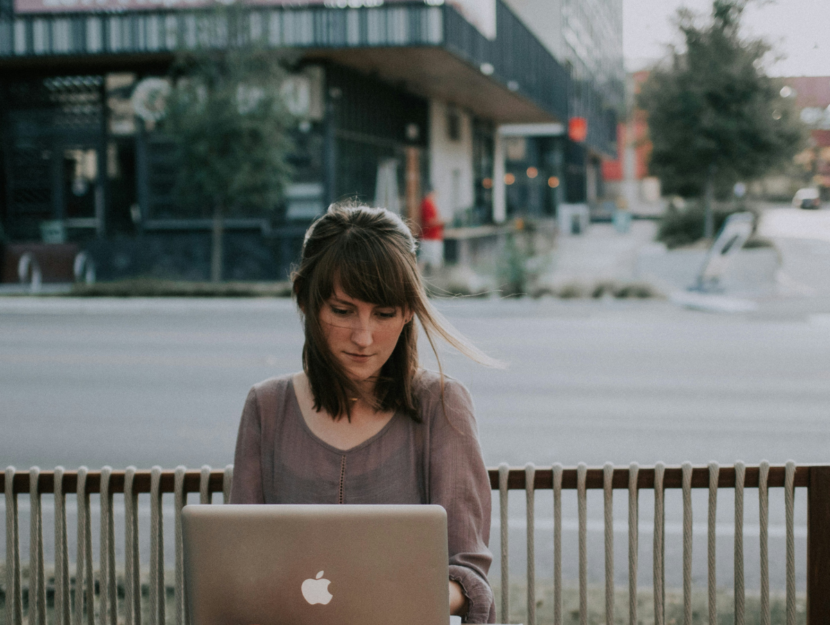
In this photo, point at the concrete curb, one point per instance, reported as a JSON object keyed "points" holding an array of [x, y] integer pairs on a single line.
{"points": [[137, 305], [708, 302]]}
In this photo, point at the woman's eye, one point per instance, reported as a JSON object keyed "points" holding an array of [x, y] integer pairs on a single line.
{"points": [[387, 315], [339, 311]]}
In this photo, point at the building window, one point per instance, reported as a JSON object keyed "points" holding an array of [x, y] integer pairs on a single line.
{"points": [[453, 124], [483, 171]]}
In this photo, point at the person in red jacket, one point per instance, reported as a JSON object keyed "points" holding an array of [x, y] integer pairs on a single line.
{"points": [[432, 234]]}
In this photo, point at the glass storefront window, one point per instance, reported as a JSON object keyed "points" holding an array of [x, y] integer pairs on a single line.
{"points": [[483, 145], [121, 116], [533, 181], [80, 178]]}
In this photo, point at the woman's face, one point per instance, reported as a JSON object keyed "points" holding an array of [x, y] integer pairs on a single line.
{"points": [[360, 335]]}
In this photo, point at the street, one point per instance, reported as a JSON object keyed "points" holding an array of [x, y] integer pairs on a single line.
{"points": [[163, 382]]}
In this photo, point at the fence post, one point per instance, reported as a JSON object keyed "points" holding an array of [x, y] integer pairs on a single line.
{"points": [[818, 546]]}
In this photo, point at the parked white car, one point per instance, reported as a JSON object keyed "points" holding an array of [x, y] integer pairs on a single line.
{"points": [[807, 198]]}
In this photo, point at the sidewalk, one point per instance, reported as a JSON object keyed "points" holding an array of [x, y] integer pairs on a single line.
{"points": [[795, 268], [599, 254], [803, 238], [25, 289]]}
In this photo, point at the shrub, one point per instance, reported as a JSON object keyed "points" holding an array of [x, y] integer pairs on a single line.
{"points": [[638, 290], [571, 291], [512, 266], [152, 287], [603, 289], [684, 226]]}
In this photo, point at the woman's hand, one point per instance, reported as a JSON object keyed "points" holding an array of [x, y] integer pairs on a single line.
{"points": [[458, 602]]}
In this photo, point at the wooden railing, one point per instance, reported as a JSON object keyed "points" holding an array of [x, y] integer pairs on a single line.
{"points": [[156, 482]]}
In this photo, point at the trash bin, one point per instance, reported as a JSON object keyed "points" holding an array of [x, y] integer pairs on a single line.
{"points": [[622, 221]]}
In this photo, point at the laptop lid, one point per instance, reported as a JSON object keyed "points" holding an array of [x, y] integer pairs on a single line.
{"points": [[316, 564]]}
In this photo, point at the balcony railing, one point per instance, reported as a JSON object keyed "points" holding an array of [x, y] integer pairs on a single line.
{"points": [[99, 589], [519, 61], [518, 58]]}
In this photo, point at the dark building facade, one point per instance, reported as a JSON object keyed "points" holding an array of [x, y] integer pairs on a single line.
{"points": [[389, 97]]}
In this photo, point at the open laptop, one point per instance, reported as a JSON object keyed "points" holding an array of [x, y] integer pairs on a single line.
{"points": [[316, 564]]}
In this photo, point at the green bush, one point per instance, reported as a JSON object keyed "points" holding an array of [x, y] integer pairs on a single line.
{"points": [[684, 226], [572, 290], [152, 287], [512, 268]]}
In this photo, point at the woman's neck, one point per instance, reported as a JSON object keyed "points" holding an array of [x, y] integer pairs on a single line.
{"points": [[341, 433], [361, 405], [365, 400]]}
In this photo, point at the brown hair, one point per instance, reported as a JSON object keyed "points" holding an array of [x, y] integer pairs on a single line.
{"points": [[370, 253]]}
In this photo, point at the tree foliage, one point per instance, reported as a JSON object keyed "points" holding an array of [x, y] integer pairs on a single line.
{"points": [[231, 129], [713, 113], [228, 119]]}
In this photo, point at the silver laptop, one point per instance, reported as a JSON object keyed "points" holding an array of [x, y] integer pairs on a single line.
{"points": [[316, 564]]}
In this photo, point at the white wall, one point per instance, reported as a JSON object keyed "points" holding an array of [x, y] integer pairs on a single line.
{"points": [[451, 161]]}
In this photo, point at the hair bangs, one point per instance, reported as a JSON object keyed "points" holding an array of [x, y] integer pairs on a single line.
{"points": [[368, 270]]}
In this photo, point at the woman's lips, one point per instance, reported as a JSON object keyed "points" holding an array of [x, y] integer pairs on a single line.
{"points": [[358, 357]]}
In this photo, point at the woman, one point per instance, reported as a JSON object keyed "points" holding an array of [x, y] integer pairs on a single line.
{"points": [[362, 423]]}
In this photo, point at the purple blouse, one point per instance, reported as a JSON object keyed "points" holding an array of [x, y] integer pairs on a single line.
{"points": [[438, 461]]}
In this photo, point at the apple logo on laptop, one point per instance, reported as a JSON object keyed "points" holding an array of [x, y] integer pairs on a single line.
{"points": [[316, 590]]}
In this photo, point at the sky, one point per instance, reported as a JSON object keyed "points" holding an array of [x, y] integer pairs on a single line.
{"points": [[800, 29]]}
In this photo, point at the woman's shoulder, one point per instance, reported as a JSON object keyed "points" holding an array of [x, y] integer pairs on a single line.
{"points": [[429, 381], [274, 387], [455, 397]]}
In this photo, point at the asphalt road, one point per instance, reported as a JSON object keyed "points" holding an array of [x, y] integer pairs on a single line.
{"points": [[124, 382], [163, 382]]}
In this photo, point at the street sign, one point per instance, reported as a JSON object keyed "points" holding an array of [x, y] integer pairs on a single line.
{"points": [[734, 233], [577, 129]]}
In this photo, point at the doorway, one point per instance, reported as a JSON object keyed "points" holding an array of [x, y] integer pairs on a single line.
{"points": [[81, 196]]}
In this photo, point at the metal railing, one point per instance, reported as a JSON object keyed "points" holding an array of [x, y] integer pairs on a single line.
{"points": [[130, 483], [161, 29], [517, 57]]}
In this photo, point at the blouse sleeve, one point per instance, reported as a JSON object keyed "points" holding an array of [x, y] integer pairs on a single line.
{"points": [[458, 481], [246, 486]]}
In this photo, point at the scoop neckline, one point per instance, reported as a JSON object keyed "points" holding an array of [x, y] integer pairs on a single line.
{"points": [[329, 446]]}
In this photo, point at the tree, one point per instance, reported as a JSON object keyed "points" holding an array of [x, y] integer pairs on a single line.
{"points": [[714, 115], [230, 125]]}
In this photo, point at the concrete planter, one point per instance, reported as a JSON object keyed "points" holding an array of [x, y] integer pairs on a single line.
{"points": [[751, 271]]}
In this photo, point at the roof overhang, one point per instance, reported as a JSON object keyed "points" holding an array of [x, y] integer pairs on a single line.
{"points": [[434, 72], [532, 130]]}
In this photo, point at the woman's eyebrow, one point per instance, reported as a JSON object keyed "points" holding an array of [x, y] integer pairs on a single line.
{"points": [[337, 300]]}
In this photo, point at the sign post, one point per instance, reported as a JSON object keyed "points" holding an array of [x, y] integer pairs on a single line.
{"points": [[735, 232]]}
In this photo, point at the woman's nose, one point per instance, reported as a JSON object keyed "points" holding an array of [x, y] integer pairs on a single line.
{"points": [[362, 334]]}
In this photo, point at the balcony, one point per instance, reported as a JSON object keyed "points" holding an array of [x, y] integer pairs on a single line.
{"points": [[432, 50]]}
